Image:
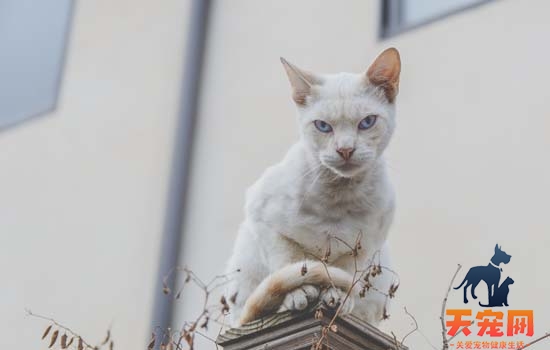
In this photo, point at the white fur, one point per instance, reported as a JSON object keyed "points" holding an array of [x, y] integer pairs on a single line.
{"points": [[311, 195], [291, 289]]}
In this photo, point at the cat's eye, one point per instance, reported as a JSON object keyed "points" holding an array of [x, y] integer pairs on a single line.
{"points": [[322, 126], [367, 122]]}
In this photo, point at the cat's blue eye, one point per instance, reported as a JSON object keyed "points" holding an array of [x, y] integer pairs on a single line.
{"points": [[367, 122], [322, 126]]}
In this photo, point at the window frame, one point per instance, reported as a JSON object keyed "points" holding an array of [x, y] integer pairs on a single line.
{"points": [[8, 121], [392, 21]]}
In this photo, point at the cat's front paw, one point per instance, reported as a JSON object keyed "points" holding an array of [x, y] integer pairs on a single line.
{"points": [[334, 297], [300, 298]]}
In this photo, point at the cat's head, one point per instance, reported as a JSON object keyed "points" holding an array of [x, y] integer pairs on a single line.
{"points": [[346, 120]]}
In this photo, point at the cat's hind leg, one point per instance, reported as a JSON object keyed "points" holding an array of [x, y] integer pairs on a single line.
{"points": [[244, 272]]}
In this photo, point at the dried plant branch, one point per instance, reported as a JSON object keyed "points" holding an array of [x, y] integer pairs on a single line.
{"points": [[535, 341], [372, 269], [426, 339], [460, 331], [64, 340], [395, 341], [443, 306], [413, 330], [170, 340], [355, 280], [209, 313]]}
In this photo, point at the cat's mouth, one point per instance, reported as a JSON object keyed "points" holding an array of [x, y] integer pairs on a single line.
{"points": [[345, 169], [348, 166]]}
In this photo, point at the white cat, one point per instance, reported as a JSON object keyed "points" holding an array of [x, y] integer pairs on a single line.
{"points": [[330, 188]]}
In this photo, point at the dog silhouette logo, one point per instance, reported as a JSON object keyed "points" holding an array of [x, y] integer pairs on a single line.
{"points": [[490, 274]]}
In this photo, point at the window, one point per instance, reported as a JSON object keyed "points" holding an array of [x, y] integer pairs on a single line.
{"points": [[401, 15], [32, 45]]}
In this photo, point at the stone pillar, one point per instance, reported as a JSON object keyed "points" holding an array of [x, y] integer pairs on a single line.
{"points": [[302, 331]]}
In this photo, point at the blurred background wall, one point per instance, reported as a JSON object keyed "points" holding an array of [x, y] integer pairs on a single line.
{"points": [[468, 158], [83, 188]]}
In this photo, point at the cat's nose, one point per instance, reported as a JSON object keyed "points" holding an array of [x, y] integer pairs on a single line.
{"points": [[345, 152]]}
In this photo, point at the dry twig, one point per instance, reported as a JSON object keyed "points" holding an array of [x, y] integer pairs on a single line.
{"points": [[534, 341], [443, 306], [371, 270], [64, 341], [210, 312]]}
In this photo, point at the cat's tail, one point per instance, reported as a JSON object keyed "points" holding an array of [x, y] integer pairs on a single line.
{"points": [[462, 283], [270, 294], [484, 305]]}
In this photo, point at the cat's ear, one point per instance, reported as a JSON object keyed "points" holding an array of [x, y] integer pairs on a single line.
{"points": [[384, 72], [301, 81], [496, 248]]}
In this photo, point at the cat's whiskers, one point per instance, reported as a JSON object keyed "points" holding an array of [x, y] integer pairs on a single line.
{"points": [[310, 171], [335, 177], [308, 190]]}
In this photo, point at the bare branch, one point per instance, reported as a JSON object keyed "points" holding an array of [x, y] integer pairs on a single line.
{"points": [[443, 306], [535, 341], [426, 339], [358, 276], [461, 330], [209, 313], [412, 331], [69, 330]]}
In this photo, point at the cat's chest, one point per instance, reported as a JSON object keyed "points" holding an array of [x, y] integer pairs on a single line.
{"points": [[316, 226], [341, 211], [314, 215]]}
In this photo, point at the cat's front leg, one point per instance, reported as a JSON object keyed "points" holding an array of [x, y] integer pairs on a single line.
{"points": [[260, 251], [282, 252], [373, 305], [237, 292], [338, 299], [300, 298]]}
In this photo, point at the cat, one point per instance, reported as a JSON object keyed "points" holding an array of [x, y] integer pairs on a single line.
{"points": [[500, 298], [490, 274], [331, 183]]}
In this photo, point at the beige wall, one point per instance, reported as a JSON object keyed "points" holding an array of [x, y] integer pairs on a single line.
{"points": [[469, 159], [83, 188]]}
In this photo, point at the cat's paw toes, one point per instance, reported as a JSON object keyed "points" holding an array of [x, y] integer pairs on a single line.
{"points": [[300, 298], [334, 297], [312, 293]]}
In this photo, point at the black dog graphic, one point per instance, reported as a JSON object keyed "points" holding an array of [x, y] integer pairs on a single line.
{"points": [[501, 294], [490, 274]]}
